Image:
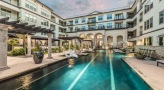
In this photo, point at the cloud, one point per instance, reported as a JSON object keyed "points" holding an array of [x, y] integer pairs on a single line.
{"points": [[67, 8]]}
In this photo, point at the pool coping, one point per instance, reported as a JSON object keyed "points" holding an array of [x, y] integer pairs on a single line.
{"points": [[29, 70], [146, 79]]}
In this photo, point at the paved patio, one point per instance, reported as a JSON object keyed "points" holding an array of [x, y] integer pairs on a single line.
{"points": [[22, 64], [148, 70]]}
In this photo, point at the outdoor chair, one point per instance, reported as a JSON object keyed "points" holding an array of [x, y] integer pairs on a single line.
{"points": [[160, 62]]}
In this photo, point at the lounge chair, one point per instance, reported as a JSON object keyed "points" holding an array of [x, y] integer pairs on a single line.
{"points": [[68, 56], [72, 54], [90, 49], [160, 62]]}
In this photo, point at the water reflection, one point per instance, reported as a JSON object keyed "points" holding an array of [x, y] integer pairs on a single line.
{"points": [[110, 54], [71, 62], [26, 81]]}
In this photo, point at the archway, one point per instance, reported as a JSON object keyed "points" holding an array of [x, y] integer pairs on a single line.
{"points": [[119, 41], [110, 41], [119, 38], [99, 40], [82, 35], [90, 37]]}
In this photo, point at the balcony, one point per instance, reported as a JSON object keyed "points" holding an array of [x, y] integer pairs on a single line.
{"points": [[69, 24], [141, 19], [119, 18], [91, 21], [131, 37], [114, 27]]}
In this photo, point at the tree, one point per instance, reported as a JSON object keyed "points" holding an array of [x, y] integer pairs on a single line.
{"points": [[13, 42], [24, 38]]}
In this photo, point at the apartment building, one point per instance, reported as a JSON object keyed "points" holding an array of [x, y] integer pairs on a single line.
{"points": [[34, 13], [141, 24]]}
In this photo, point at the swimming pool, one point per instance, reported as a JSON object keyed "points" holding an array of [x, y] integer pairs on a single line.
{"points": [[102, 70]]}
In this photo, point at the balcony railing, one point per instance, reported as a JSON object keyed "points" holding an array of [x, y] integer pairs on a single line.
{"points": [[91, 21], [130, 37], [100, 28], [119, 18], [69, 24], [130, 16]]}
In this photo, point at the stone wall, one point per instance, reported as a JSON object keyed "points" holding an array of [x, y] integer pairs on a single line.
{"points": [[159, 49]]}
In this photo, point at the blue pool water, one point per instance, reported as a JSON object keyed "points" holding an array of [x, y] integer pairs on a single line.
{"points": [[102, 70]]}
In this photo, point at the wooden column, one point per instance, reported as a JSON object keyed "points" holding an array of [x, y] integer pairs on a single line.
{"points": [[3, 46]]}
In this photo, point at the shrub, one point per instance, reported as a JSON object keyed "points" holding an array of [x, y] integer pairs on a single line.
{"points": [[13, 42], [17, 52], [36, 49], [77, 47], [66, 47], [57, 50]]}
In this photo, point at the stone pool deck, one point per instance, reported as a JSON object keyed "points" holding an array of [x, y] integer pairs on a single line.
{"points": [[148, 70], [22, 64]]}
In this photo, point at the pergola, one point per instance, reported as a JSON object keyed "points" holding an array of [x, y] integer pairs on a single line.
{"points": [[17, 27], [45, 38], [71, 39], [89, 41]]}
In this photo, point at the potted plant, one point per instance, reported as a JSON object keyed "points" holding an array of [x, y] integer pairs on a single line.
{"points": [[38, 55]]}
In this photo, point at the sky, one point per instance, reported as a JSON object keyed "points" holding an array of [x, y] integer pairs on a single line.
{"points": [[71, 8]]}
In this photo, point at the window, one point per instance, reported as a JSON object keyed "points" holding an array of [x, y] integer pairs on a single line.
{"points": [[145, 25], [34, 19], [119, 16], [9, 1], [100, 26], [76, 20], [148, 7], [44, 23], [76, 28], [118, 25], [45, 13], [161, 17], [83, 20], [148, 24], [27, 17], [30, 18], [83, 28], [100, 18], [109, 16], [151, 22], [148, 41], [160, 41], [31, 6], [109, 25], [5, 13]]}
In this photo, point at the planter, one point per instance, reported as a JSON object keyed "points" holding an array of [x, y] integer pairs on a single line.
{"points": [[139, 56], [38, 57]]}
